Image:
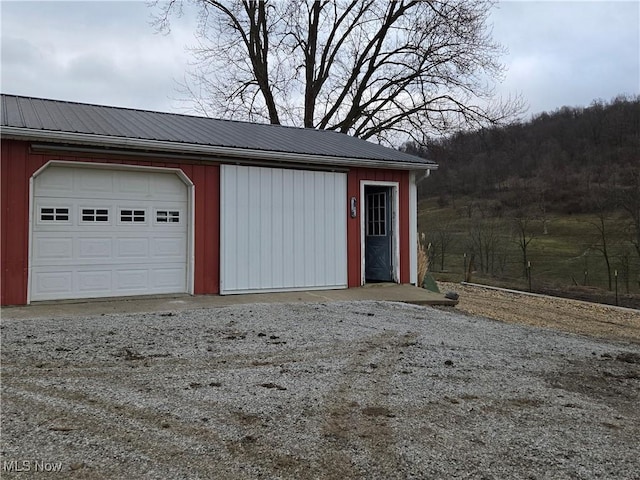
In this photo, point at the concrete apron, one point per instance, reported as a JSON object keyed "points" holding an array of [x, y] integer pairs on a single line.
{"points": [[166, 303]]}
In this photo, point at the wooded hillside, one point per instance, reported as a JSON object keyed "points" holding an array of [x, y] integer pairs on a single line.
{"points": [[556, 158], [561, 191]]}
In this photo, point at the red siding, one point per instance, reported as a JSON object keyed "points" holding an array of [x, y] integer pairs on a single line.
{"points": [[14, 223], [353, 224], [18, 164]]}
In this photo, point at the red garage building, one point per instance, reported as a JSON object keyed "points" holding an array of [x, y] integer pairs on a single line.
{"points": [[100, 201]]}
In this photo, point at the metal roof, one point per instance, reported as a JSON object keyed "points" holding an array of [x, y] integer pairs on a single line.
{"points": [[50, 119]]}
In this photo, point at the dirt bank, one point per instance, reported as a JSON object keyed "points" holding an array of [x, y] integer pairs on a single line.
{"points": [[562, 314]]}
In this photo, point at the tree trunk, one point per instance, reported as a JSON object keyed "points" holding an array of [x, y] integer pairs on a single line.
{"points": [[310, 52]]}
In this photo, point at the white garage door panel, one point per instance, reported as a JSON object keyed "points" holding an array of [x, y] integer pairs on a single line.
{"points": [[282, 229], [95, 248], [53, 250], [75, 255], [89, 185], [132, 280], [127, 248], [134, 185], [166, 278], [57, 182], [167, 248], [53, 283], [94, 281]]}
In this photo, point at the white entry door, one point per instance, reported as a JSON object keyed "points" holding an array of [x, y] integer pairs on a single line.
{"points": [[103, 232], [282, 229]]}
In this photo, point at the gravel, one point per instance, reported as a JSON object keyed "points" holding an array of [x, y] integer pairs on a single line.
{"points": [[374, 390]]}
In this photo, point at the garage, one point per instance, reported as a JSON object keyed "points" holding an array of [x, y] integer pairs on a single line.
{"points": [[282, 229], [102, 201], [106, 232]]}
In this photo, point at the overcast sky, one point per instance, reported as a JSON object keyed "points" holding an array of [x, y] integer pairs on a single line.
{"points": [[560, 53]]}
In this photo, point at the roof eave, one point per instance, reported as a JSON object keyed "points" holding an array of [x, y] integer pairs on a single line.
{"points": [[21, 133]]}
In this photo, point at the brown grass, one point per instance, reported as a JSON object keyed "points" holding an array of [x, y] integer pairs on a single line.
{"points": [[423, 259]]}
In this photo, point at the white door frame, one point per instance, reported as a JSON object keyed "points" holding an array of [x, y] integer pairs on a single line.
{"points": [[395, 220], [118, 166], [413, 229]]}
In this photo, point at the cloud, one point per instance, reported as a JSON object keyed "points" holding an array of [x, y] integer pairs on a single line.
{"points": [[96, 52], [18, 51], [569, 53], [560, 53]]}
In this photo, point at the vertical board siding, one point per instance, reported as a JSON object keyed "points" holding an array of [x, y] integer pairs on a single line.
{"points": [[4, 198], [210, 255], [18, 164], [15, 223], [355, 176], [282, 229]]}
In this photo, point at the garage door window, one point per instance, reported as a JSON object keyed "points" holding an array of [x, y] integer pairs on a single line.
{"points": [[167, 216], [132, 216], [54, 214], [95, 215]]}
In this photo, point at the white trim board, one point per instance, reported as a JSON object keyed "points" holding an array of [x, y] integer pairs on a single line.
{"points": [[413, 229]]}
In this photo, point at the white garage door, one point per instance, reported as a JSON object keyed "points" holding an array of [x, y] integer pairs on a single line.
{"points": [[282, 229], [103, 233]]}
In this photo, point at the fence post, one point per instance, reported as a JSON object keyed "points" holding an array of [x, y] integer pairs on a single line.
{"points": [[615, 274], [529, 274], [464, 271]]}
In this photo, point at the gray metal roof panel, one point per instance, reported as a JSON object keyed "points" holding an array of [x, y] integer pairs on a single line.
{"points": [[59, 117], [54, 115], [28, 114], [10, 112]]}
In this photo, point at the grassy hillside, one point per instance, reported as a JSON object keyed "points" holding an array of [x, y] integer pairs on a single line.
{"points": [[565, 185], [559, 258]]}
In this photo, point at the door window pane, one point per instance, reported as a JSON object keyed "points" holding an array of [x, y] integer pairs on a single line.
{"points": [[377, 214]]}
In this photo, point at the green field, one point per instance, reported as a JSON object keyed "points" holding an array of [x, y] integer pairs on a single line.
{"points": [[567, 256]]}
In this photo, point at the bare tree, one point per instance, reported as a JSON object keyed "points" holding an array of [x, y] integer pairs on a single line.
{"points": [[525, 233], [602, 244], [624, 265], [485, 245], [433, 249], [372, 69], [604, 201], [445, 241], [628, 197]]}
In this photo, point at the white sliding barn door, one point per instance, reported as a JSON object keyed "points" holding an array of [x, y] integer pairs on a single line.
{"points": [[282, 229]]}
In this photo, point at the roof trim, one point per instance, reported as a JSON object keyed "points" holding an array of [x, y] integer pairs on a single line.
{"points": [[21, 133]]}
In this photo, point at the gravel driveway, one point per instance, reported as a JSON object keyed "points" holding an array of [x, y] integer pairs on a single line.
{"points": [[369, 390]]}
